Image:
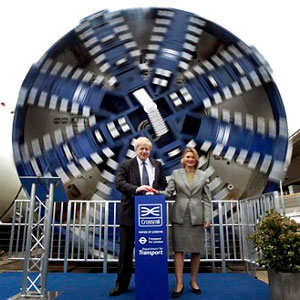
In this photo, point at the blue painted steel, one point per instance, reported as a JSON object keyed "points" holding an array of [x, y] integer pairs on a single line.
{"points": [[151, 249], [109, 110], [43, 187]]}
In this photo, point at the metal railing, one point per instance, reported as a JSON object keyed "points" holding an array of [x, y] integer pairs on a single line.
{"points": [[88, 230], [252, 209]]}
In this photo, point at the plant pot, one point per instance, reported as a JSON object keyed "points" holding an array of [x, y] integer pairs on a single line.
{"points": [[284, 286]]}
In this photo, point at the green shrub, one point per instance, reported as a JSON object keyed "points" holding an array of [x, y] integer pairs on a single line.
{"points": [[277, 240]]}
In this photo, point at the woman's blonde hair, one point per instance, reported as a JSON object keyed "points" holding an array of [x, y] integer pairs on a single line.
{"points": [[195, 153]]}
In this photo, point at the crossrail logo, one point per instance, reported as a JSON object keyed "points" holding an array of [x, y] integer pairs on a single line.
{"points": [[150, 215], [154, 211]]}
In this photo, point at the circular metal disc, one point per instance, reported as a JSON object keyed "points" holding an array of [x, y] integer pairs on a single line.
{"points": [[163, 73]]}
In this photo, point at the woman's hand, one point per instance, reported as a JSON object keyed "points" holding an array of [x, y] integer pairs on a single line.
{"points": [[146, 188], [206, 225]]}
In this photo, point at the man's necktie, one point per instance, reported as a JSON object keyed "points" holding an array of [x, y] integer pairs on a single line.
{"points": [[145, 177]]}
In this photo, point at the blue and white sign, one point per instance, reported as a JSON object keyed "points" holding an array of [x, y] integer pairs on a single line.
{"points": [[150, 215], [151, 252]]}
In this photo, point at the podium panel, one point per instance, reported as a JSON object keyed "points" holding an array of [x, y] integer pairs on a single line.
{"points": [[151, 252], [43, 187]]}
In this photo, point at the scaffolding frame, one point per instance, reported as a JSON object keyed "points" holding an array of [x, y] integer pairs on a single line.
{"points": [[35, 270]]}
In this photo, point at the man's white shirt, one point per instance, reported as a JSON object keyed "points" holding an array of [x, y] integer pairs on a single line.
{"points": [[150, 169]]}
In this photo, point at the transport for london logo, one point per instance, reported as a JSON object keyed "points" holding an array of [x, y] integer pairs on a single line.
{"points": [[150, 215]]}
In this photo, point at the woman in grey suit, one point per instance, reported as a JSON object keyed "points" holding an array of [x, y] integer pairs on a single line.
{"points": [[191, 213]]}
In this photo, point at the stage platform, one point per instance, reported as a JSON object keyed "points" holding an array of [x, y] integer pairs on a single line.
{"points": [[96, 286]]}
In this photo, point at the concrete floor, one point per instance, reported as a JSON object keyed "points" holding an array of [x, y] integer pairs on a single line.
{"points": [[262, 275]]}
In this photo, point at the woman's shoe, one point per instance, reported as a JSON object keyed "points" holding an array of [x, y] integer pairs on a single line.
{"points": [[196, 291], [177, 294]]}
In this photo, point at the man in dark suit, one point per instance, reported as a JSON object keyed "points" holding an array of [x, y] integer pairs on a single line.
{"points": [[135, 176]]}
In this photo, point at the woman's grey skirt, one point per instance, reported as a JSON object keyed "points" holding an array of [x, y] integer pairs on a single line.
{"points": [[187, 237]]}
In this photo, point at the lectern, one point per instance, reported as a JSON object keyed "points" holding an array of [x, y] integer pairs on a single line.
{"points": [[151, 252], [44, 191]]}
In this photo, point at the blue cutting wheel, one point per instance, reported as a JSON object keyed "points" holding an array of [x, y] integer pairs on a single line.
{"points": [[163, 73]]}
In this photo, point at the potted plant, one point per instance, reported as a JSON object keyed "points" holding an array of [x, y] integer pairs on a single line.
{"points": [[277, 241]]}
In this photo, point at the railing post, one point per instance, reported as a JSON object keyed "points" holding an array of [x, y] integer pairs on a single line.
{"points": [[213, 243], [12, 233], [281, 199], [276, 201], [67, 242], [222, 237], [86, 232], [105, 256]]}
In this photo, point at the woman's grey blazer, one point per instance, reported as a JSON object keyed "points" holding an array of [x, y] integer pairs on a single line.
{"points": [[197, 194]]}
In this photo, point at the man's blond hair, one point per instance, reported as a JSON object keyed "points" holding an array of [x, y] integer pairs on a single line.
{"points": [[142, 141]]}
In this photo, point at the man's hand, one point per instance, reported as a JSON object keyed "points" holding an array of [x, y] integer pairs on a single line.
{"points": [[146, 188], [206, 225]]}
